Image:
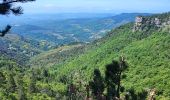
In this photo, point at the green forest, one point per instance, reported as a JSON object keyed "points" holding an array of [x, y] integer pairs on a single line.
{"points": [[126, 64], [130, 62]]}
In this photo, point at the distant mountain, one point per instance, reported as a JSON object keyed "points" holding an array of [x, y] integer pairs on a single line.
{"points": [[71, 30], [30, 18]]}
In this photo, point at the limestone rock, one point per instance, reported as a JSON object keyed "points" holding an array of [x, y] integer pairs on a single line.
{"points": [[154, 22], [138, 23], [157, 22]]}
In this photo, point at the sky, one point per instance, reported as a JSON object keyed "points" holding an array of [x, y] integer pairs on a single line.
{"points": [[97, 6]]}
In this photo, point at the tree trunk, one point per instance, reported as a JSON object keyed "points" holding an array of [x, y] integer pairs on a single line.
{"points": [[118, 87]]}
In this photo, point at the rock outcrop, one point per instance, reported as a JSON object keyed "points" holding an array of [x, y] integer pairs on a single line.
{"points": [[154, 22], [138, 23]]}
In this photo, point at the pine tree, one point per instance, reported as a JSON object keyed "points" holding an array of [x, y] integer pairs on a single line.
{"points": [[122, 66], [97, 84], [7, 7], [113, 77]]}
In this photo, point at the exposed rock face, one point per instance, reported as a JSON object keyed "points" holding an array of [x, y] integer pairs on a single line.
{"points": [[168, 22], [138, 23], [155, 22], [139, 19]]}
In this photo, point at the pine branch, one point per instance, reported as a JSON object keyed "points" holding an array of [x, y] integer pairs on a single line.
{"points": [[5, 31], [6, 7], [14, 1]]}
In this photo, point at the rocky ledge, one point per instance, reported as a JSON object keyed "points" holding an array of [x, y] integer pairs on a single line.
{"points": [[143, 23]]}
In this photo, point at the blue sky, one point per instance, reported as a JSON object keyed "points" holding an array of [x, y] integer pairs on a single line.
{"points": [[97, 6]]}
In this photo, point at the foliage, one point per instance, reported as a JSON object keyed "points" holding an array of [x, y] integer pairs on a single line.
{"points": [[147, 55], [97, 84]]}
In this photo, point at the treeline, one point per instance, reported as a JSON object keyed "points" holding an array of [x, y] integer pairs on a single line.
{"points": [[107, 86], [17, 83]]}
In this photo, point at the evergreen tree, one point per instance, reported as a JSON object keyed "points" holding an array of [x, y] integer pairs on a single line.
{"points": [[21, 92], [2, 78], [32, 86], [11, 85], [122, 66], [5, 31], [113, 77], [45, 75], [7, 7], [97, 84]]}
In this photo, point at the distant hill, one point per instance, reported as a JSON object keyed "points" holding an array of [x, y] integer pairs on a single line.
{"points": [[57, 56], [20, 49], [75, 28]]}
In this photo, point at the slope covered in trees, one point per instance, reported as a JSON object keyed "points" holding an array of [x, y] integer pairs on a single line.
{"points": [[58, 55], [21, 49], [146, 53]]}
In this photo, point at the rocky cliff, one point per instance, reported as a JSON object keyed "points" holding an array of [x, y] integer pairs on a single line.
{"points": [[143, 23]]}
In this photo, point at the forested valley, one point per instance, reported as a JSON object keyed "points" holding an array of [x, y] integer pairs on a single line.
{"points": [[127, 60]]}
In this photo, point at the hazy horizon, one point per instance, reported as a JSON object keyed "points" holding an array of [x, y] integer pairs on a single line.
{"points": [[97, 6]]}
